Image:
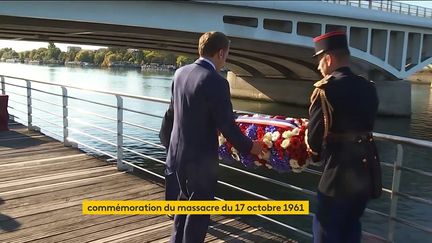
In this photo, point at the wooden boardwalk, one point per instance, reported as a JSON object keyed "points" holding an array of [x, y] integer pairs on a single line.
{"points": [[42, 185]]}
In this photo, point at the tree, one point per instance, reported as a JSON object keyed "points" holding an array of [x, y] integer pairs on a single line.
{"points": [[52, 52], [111, 57], [99, 56], [62, 57], [183, 60], [70, 55], [84, 56], [8, 53], [169, 59]]}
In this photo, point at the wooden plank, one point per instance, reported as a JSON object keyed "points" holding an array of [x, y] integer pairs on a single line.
{"points": [[5, 140], [50, 169], [109, 229], [57, 186], [6, 151], [67, 193], [61, 151], [60, 177], [140, 232], [159, 235], [39, 162], [30, 151]]}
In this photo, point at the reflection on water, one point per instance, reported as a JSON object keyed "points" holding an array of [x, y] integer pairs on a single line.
{"points": [[158, 84]]}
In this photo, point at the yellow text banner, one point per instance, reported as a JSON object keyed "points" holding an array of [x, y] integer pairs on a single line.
{"points": [[196, 207]]}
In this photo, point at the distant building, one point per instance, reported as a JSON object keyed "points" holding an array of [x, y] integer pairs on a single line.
{"points": [[73, 48]]}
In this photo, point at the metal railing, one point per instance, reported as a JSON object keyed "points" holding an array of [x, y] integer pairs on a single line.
{"points": [[387, 6], [123, 164]]}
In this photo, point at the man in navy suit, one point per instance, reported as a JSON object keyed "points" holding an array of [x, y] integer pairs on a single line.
{"points": [[201, 106]]}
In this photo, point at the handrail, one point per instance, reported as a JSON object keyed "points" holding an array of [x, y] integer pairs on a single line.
{"points": [[397, 166], [387, 6]]}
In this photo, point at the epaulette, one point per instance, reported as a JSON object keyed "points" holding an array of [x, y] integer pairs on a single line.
{"points": [[320, 84]]}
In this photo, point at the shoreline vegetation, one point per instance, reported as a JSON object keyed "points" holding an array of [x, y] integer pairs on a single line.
{"points": [[111, 57]]}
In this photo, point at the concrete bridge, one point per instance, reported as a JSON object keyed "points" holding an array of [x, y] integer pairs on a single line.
{"points": [[271, 41]]}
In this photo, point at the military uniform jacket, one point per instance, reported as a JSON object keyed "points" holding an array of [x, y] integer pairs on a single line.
{"points": [[342, 114]]}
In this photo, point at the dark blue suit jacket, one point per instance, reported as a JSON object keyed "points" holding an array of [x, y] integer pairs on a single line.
{"points": [[201, 106]]}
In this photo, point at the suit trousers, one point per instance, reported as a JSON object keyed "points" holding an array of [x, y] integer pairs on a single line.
{"points": [[338, 220], [197, 184], [172, 190]]}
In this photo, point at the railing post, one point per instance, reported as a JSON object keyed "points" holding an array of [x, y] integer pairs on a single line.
{"points": [[395, 190], [65, 117], [3, 85], [120, 165], [29, 106]]}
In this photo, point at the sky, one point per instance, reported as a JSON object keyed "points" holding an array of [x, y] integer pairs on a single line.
{"points": [[28, 45]]}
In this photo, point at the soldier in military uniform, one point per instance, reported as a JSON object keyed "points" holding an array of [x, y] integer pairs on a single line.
{"points": [[342, 116]]}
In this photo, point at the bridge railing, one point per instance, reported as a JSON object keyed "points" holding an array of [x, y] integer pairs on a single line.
{"points": [[62, 106], [388, 6]]}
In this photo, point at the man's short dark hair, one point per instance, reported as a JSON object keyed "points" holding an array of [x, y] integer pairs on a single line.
{"points": [[211, 42]]}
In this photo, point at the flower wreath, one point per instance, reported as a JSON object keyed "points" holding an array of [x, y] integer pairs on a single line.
{"points": [[283, 136]]}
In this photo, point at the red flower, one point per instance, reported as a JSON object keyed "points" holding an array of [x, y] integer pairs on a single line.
{"points": [[295, 142], [260, 132]]}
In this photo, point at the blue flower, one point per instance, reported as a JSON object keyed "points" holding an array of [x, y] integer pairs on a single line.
{"points": [[247, 160], [280, 165], [270, 129], [251, 132], [225, 154]]}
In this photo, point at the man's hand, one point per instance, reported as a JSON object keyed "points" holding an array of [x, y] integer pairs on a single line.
{"points": [[257, 147]]}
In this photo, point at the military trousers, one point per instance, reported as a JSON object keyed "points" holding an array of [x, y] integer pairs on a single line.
{"points": [[338, 220]]}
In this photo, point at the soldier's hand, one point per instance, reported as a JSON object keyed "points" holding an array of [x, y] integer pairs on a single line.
{"points": [[257, 147]]}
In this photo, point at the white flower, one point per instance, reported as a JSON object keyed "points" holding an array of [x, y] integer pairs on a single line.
{"points": [[268, 135], [285, 143], [295, 131], [235, 154], [275, 136], [268, 166], [294, 163], [268, 142], [222, 140], [287, 134]]}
